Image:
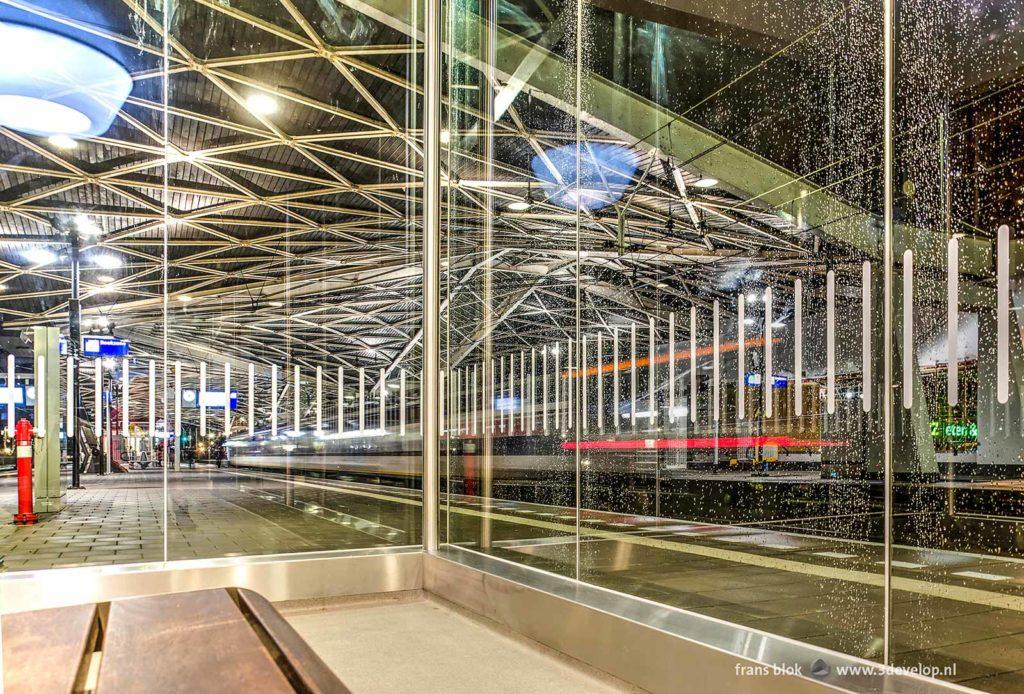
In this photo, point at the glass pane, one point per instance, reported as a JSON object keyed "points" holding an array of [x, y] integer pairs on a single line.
{"points": [[293, 280], [510, 298], [735, 469], [81, 104], [958, 358]]}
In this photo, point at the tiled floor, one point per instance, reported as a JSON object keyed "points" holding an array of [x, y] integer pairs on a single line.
{"points": [[120, 519]]}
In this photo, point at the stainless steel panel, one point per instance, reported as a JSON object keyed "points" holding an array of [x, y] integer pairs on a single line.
{"points": [[278, 577], [656, 647]]}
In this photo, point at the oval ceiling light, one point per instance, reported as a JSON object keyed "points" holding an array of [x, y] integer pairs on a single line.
{"points": [[52, 84], [261, 104], [706, 182], [107, 261], [600, 177], [37, 255]]}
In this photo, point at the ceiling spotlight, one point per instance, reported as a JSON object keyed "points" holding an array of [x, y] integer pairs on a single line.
{"points": [[106, 289], [275, 304], [105, 278], [3, 287], [752, 296], [518, 205], [446, 136], [261, 104], [706, 182], [86, 226], [107, 261], [62, 141], [54, 84], [40, 256], [102, 321], [185, 298]]}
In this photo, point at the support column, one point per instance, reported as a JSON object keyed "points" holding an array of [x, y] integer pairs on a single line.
{"points": [[49, 497]]}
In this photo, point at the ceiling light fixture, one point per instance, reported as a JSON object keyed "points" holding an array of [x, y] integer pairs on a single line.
{"points": [[706, 182], [39, 256], [86, 226], [185, 298], [446, 136], [275, 304], [107, 261], [62, 141], [54, 82], [261, 104], [105, 278]]}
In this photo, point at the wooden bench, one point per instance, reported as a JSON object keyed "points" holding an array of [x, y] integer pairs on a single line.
{"points": [[224, 640]]}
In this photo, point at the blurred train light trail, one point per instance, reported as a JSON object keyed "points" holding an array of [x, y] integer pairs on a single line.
{"points": [[722, 442]]}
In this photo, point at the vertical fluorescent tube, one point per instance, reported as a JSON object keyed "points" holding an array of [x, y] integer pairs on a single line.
{"points": [[715, 359], [98, 419], [341, 399], [273, 400], [952, 321], [693, 363], [383, 394], [544, 388], [632, 374], [319, 400], [600, 385], [522, 391], [798, 347], [570, 384], [533, 389], [830, 342], [511, 392], [583, 384], [769, 378], [177, 398], [252, 400], [472, 406], [651, 406], [615, 377], [227, 398], [1002, 314], [557, 352], [202, 398], [297, 389], [483, 396], [908, 329], [502, 409], [70, 426], [152, 398], [865, 319], [125, 396], [444, 402], [741, 356], [362, 399], [671, 366], [401, 402], [10, 392], [40, 409], [490, 398]]}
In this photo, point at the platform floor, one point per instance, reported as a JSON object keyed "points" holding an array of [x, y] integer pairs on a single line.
{"points": [[414, 645], [951, 609], [120, 519]]}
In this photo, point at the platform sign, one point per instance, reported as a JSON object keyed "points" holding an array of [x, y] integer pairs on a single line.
{"points": [[18, 393], [753, 380], [97, 346], [510, 404], [212, 399]]}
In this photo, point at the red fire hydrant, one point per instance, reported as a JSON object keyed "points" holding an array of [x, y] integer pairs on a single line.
{"points": [[23, 448]]}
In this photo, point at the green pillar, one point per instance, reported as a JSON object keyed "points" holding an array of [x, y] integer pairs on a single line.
{"points": [[49, 497]]}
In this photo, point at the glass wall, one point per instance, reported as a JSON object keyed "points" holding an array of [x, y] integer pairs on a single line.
{"points": [[676, 358], [233, 189]]}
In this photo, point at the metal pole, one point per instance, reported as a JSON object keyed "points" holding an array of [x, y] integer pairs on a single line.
{"points": [[431, 266], [888, 22], [74, 354]]}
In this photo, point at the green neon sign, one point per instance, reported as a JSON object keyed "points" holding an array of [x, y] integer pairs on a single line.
{"points": [[959, 431]]}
